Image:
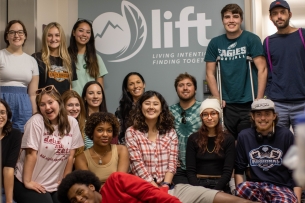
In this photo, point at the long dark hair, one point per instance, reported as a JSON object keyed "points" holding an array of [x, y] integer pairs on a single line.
{"points": [[90, 53], [126, 101], [165, 121], [7, 128], [102, 107], [202, 139]]}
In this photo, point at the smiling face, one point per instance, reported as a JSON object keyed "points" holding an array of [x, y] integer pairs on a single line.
{"points": [[186, 90], [232, 22], [3, 116], [263, 120], [15, 39], [49, 108], [151, 108], [82, 33], [80, 193], [73, 107], [53, 38], [103, 134], [135, 87], [210, 118], [94, 95], [280, 17]]}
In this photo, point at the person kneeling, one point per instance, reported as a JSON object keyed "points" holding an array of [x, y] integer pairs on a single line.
{"points": [[263, 147]]}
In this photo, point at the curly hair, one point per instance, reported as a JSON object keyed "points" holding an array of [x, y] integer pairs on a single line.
{"points": [[103, 106], [7, 128], [101, 117], [63, 121], [82, 177], [165, 121], [202, 138]]}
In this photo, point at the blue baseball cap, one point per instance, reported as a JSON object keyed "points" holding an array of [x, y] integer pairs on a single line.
{"points": [[279, 3]]}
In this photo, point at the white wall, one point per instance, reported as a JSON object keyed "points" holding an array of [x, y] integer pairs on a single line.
{"points": [[65, 12]]}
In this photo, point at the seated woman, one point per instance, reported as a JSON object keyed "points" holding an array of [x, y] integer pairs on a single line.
{"points": [[75, 108], [210, 152], [95, 101], [49, 143], [132, 89], [10, 140], [103, 158], [152, 144]]}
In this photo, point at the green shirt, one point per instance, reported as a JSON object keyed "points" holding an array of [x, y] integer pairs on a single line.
{"points": [[83, 76], [193, 123], [235, 74]]}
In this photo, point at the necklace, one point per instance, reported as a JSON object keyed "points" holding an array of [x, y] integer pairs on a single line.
{"points": [[100, 157], [208, 149]]}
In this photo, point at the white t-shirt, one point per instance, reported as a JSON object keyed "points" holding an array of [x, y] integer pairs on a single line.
{"points": [[16, 70], [52, 151]]}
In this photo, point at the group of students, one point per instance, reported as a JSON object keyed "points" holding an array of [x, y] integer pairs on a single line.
{"points": [[180, 153]]}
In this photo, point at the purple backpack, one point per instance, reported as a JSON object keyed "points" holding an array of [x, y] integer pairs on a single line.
{"points": [[267, 46]]}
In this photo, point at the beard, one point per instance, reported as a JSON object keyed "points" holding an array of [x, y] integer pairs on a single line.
{"points": [[282, 26], [186, 99]]}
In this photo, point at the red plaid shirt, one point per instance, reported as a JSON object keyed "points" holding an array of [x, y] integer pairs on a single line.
{"points": [[150, 160]]}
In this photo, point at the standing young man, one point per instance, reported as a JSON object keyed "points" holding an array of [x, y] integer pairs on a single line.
{"points": [[285, 53], [233, 47], [187, 119], [263, 147]]}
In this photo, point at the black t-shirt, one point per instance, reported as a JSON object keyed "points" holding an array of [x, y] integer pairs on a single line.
{"points": [[57, 76], [210, 163], [11, 144]]}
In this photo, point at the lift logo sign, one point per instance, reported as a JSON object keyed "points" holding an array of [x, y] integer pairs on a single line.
{"points": [[120, 37]]}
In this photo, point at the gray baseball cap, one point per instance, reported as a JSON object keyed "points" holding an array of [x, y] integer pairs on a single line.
{"points": [[262, 104]]}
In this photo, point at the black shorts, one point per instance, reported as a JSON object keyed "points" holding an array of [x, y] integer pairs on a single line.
{"points": [[237, 117]]}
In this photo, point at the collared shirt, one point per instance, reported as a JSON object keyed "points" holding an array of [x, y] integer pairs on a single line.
{"points": [[193, 123], [152, 160]]}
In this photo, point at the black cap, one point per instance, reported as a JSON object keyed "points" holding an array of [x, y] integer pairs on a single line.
{"points": [[279, 3]]}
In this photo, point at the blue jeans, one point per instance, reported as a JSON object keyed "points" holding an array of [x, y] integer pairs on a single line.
{"points": [[287, 111]]}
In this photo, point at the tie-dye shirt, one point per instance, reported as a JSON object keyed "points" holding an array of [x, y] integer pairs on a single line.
{"points": [[193, 123]]}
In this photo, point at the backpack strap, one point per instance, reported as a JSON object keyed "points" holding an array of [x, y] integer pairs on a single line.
{"points": [[268, 53], [302, 38]]}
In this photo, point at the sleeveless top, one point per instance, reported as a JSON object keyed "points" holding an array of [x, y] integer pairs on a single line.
{"points": [[103, 171]]}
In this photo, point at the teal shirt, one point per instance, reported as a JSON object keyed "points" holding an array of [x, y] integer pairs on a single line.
{"points": [[235, 74], [82, 75], [193, 123]]}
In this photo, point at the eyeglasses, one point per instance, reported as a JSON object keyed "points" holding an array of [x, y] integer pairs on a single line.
{"points": [[3, 113], [13, 32], [48, 88], [207, 115], [183, 119]]}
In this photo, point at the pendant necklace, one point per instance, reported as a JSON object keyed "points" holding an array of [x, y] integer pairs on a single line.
{"points": [[100, 157]]}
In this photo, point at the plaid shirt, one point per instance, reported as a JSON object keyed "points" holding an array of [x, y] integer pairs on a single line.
{"points": [[150, 160]]}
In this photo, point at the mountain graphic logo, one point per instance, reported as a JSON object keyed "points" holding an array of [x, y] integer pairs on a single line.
{"points": [[120, 37]]}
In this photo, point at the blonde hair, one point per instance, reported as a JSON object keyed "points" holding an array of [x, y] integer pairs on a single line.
{"points": [[63, 51]]}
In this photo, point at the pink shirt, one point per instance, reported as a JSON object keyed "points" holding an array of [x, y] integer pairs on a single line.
{"points": [[148, 159], [52, 151]]}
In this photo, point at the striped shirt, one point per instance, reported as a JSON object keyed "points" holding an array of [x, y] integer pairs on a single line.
{"points": [[152, 160], [193, 123]]}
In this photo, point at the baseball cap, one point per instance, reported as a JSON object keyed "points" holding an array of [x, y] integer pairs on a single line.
{"points": [[262, 104], [279, 3]]}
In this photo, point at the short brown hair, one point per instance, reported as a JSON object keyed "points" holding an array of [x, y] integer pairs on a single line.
{"points": [[183, 76], [234, 8], [7, 29]]}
